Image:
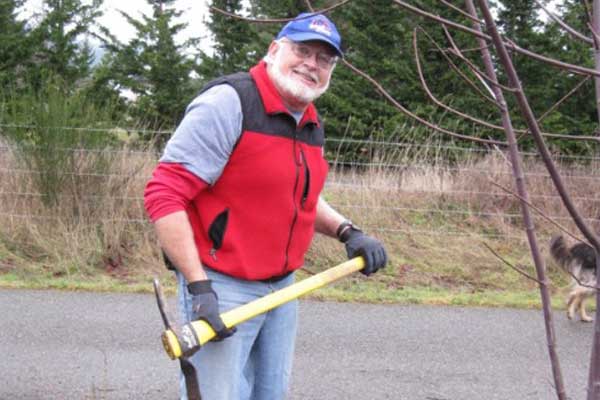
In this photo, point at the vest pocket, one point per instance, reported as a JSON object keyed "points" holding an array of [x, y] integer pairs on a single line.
{"points": [[216, 232], [306, 189]]}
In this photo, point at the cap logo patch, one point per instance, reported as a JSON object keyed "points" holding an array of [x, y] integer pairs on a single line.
{"points": [[321, 26]]}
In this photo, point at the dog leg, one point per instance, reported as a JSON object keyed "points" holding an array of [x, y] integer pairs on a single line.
{"points": [[582, 313], [571, 305]]}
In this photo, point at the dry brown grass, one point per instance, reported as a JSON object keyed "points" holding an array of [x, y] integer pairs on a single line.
{"points": [[434, 218], [98, 224]]}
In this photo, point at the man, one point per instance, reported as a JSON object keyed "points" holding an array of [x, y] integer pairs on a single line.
{"points": [[236, 199]]}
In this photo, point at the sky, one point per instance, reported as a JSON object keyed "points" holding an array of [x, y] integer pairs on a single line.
{"points": [[194, 13]]}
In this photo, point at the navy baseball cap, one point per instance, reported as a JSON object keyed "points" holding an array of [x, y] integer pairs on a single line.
{"points": [[307, 26]]}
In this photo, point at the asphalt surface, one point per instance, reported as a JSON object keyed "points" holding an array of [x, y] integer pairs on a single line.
{"points": [[63, 345]]}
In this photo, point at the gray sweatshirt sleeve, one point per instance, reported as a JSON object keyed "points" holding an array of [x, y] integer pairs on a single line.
{"points": [[204, 140]]}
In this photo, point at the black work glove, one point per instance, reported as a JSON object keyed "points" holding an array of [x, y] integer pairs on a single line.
{"points": [[206, 307], [371, 249]]}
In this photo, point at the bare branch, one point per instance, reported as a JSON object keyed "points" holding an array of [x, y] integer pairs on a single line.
{"points": [[276, 20], [534, 128], [468, 50], [595, 36], [462, 12], [406, 112], [482, 75], [588, 12], [460, 73], [525, 274], [309, 5], [539, 212], [457, 52], [563, 99], [520, 271], [569, 29], [520, 181], [498, 127], [438, 102], [556, 63]]}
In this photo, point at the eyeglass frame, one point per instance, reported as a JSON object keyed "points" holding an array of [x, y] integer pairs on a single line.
{"points": [[322, 63]]}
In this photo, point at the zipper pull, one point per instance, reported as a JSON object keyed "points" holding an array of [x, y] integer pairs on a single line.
{"points": [[213, 253]]}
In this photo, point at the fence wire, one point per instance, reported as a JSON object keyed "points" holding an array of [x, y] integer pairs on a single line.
{"points": [[398, 174], [332, 143]]}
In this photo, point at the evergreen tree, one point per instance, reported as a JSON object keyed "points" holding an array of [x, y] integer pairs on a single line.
{"points": [[235, 43], [378, 38], [59, 45], [578, 115], [14, 44], [152, 66]]}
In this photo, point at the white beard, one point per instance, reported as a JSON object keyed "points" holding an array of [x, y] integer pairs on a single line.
{"points": [[294, 87]]}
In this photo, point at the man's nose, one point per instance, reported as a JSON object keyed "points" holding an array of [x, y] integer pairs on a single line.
{"points": [[311, 61]]}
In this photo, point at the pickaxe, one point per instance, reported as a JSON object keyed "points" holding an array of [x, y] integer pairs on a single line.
{"points": [[181, 342]]}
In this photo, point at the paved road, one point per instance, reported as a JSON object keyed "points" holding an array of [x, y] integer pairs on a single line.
{"points": [[61, 345]]}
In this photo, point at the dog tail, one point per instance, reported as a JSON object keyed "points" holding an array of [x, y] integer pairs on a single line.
{"points": [[560, 251]]}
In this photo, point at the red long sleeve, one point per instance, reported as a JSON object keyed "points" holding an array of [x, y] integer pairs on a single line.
{"points": [[170, 189]]}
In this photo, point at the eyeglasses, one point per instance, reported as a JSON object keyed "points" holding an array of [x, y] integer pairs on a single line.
{"points": [[303, 51]]}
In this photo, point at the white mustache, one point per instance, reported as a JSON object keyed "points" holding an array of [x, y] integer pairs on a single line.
{"points": [[311, 75]]}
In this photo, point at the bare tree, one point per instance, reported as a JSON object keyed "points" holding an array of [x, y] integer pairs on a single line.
{"points": [[486, 40]]}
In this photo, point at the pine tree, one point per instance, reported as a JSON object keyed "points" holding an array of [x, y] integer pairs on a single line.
{"points": [[14, 44], [578, 114], [235, 43], [152, 66], [59, 48]]}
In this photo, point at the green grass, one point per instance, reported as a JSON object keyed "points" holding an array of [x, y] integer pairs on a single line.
{"points": [[356, 288]]}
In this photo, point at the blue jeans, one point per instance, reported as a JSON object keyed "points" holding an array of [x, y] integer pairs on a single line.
{"points": [[256, 362]]}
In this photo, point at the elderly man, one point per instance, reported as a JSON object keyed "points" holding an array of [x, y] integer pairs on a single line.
{"points": [[235, 201]]}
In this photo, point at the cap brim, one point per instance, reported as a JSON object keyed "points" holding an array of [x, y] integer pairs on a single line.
{"points": [[306, 36]]}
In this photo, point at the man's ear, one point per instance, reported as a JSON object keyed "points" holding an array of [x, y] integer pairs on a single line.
{"points": [[273, 47]]}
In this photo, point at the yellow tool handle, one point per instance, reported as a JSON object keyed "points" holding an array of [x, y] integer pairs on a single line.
{"points": [[205, 333]]}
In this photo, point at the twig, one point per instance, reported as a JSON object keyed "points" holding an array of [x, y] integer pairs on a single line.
{"points": [[588, 12], [573, 32], [438, 102], [563, 99], [520, 271], [309, 5], [540, 212], [460, 73], [579, 282], [482, 75], [526, 131], [468, 50], [276, 20], [556, 63], [534, 128], [414, 116], [462, 12], [595, 36]]}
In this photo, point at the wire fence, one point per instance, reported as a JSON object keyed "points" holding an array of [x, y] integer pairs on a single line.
{"points": [[407, 230], [16, 202], [332, 143]]}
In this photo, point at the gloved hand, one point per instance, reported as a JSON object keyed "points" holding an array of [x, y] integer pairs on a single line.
{"points": [[371, 249], [206, 307]]}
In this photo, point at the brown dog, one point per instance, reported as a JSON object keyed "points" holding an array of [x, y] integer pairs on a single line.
{"points": [[580, 261]]}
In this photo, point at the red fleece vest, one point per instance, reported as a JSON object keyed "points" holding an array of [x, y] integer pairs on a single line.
{"points": [[257, 220]]}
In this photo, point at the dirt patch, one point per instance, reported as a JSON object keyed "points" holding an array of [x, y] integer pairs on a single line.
{"points": [[7, 265]]}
